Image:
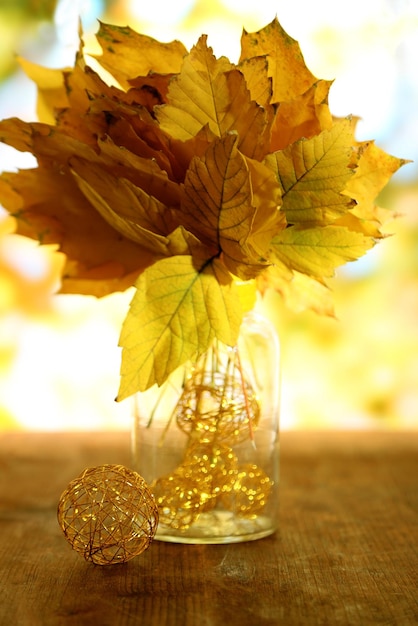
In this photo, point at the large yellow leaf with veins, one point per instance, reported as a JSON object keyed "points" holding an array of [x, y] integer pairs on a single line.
{"points": [[180, 305], [313, 173], [318, 251], [220, 206]]}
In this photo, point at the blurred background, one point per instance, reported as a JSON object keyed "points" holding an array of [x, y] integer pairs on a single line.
{"points": [[59, 360]]}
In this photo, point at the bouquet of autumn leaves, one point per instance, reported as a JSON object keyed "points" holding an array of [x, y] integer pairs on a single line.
{"points": [[188, 176]]}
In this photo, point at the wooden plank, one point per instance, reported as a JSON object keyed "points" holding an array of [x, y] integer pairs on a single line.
{"points": [[346, 552]]}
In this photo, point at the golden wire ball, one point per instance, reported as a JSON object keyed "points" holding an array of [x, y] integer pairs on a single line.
{"points": [[181, 499], [218, 408], [108, 514], [215, 464], [250, 491]]}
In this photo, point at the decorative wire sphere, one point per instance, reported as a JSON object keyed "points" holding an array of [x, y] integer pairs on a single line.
{"points": [[217, 407], [211, 463], [108, 514], [180, 500], [250, 491]]}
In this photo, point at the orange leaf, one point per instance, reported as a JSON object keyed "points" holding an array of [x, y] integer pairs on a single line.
{"points": [[79, 230], [127, 208], [305, 116]]}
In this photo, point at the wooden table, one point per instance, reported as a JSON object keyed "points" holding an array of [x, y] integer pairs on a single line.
{"points": [[347, 551]]}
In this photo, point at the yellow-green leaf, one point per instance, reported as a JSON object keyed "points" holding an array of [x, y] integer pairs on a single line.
{"points": [[313, 174], [128, 54], [181, 304], [318, 251]]}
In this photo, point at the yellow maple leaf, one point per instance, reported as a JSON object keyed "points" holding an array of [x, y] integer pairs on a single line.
{"points": [[318, 251], [209, 91], [287, 68], [313, 173], [255, 70], [181, 304], [219, 206], [197, 95], [375, 168]]}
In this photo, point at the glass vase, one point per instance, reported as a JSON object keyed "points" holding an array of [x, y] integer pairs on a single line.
{"points": [[207, 441]]}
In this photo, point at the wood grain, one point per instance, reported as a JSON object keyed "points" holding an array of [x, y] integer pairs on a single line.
{"points": [[346, 552]]}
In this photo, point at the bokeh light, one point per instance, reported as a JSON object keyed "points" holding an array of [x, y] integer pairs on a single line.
{"points": [[59, 360]]}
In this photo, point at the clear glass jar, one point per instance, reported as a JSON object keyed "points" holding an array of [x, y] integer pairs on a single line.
{"points": [[207, 441]]}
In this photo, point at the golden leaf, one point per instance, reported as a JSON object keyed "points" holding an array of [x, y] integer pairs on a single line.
{"points": [[181, 304], [209, 91], [305, 116], [150, 90], [369, 228], [313, 173], [268, 219], [197, 95], [105, 191], [78, 229], [251, 121], [128, 54], [305, 293], [375, 168], [255, 70], [218, 205], [287, 67], [181, 241], [51, 90], [72, 222]]}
